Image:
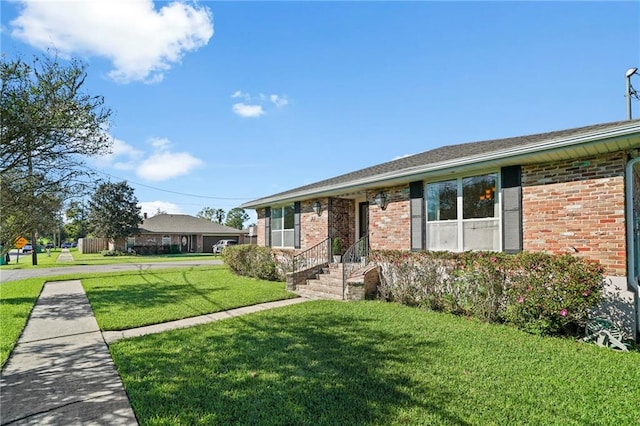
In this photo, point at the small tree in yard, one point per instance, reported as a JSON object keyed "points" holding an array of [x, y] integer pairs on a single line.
{"points": [[114, 212]]}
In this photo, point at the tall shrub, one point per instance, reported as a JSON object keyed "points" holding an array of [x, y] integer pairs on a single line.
{"points": [[551, 294], [252, 261], [537, 292]]}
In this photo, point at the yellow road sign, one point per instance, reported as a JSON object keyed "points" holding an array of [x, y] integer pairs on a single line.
{"points": [[20, 242]]}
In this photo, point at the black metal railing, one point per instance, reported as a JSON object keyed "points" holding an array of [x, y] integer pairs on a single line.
{"points": [[354, 258], [315, 257]]}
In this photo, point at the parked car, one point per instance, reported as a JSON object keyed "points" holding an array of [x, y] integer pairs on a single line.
{"points": [[220, 245], [49, 246], [66, 245], [27, 248]]}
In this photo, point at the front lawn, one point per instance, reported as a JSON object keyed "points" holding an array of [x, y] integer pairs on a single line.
{"points": [[371, 363], [133, 299]]}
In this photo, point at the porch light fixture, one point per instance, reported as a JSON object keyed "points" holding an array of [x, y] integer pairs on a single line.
{"points": [[381, 200], [317, 207], [631, 92]]}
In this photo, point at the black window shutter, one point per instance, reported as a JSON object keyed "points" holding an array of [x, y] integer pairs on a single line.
{"points": [[512, 209], [296, 224], [416, 195], [267, 227]]}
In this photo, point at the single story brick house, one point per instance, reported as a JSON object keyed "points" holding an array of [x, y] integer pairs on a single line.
{"points": [[569, 191], [186, 234]]}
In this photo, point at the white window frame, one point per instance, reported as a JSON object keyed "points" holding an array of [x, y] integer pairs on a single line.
{"points": [[283, 233], [460, 221]]}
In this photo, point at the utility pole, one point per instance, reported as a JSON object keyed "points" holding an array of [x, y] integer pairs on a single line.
{"points": [[34, 241], [630, 90]]}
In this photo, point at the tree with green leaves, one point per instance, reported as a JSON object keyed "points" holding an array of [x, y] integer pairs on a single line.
{"points": [[78, 215], [236, 218], [214, 215], [114, 212], [49, 126]]}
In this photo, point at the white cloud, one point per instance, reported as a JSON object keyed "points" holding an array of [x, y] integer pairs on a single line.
{"points": [[151, 207], [239, 94], [254, 106], [279, 101], [161, 164], [167, 165], [122, 156], [160, 144], [401, 156], [244, 110], [140, 41]]}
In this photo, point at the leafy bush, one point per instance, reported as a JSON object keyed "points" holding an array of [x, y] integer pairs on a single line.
{"points": [[551, 294], [108, 253], [537, 292], [252, 261]]}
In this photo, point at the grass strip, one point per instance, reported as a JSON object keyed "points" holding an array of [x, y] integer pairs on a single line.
{"points": [[371, 363], [16, 302], [137, 298]]}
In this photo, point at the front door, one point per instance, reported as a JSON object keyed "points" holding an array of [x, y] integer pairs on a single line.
{"points": [[363, 219], [184, 244]]}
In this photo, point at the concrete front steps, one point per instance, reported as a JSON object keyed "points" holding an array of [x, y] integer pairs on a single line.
{"points": [[327, 285]]}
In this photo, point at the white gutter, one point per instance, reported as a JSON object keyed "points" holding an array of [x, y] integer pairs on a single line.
{"points": [[632, 279]]}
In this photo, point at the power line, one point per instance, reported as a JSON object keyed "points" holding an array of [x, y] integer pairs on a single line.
{"points": [[173, 192]]}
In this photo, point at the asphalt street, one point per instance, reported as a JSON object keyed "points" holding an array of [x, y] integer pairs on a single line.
{"points": [[19, 274]]}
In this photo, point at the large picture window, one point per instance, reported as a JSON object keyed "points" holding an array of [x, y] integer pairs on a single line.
{"points": [[282, 223], [463, 214]]}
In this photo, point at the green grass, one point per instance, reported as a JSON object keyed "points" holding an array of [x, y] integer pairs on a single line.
{"points": [[16, 301], [133, 299], [370, 363]]}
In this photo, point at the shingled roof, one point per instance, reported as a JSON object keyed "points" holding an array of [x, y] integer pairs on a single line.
{"points": [[185, 224], [466, 152]]}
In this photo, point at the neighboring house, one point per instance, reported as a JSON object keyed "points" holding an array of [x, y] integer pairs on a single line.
{"points": [[570, 191], [187, 234]]}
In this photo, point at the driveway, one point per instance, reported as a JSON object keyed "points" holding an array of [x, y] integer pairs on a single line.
{"points": [[19, 274]]}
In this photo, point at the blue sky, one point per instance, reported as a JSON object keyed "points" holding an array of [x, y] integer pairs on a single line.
{"points": [[219, 103]]}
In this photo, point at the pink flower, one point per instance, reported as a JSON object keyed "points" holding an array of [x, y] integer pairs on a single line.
{"points": [[563, 312], [520, 299], [494, 260], [586, 293]]}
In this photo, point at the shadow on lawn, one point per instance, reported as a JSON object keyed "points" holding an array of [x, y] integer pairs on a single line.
{"points": [[147, 289], [316, 367]]}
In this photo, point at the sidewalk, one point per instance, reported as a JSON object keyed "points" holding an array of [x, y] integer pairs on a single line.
{"points": [[65, 256], [61, 371]]}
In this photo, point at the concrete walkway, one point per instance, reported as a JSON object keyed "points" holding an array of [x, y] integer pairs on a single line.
{"points": [[65, 256], [61, 371]]}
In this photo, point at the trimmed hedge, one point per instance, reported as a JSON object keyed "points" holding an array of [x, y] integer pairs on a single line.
{"points": [[537, 292], [252, 261]]}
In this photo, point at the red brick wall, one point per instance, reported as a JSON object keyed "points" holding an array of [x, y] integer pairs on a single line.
{"points": [[577, 207], [260, 227], [391, 228], [313, 228]]}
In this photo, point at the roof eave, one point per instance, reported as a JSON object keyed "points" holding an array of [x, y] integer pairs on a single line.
{"points": [[514, 155]]}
